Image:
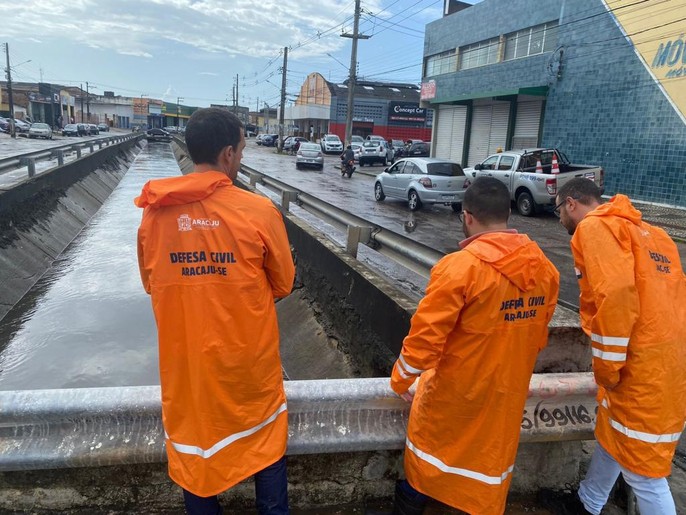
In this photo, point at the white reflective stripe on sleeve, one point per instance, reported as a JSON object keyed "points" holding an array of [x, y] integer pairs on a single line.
{"points": [[610, 340], [478, 476], [208, 453], [409, 368], [401, 371], [640, 435], [609, 356]]}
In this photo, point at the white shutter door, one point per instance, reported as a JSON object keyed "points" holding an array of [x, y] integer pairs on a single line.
{"points": [[480, 135], [450, 132], [527, 124], [444, 131], [499, 121]]}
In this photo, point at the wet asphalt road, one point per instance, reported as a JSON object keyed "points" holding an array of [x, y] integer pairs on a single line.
{"points": [[436, 226]]}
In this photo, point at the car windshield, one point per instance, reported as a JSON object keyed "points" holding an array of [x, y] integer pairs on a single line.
{"points": [[371, 143], [332, 138], [40, 126], [309, 146], [446, 169]]}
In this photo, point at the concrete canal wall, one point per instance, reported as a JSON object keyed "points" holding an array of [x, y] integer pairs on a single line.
{"points": [[42, 215]]}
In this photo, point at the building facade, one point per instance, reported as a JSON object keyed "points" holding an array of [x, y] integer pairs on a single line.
{"points": [[384, 109], [603, 81]]}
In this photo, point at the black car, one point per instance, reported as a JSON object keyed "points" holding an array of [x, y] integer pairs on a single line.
{"points": [[157, 135], [418, 150], [93, 128], [71, 129], [103, 127], [83, 129], [270, 140], [4, 124]]}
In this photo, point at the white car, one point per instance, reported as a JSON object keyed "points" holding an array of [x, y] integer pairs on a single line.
{"points": [[376, 151], [40, 130], [357, 150], [423, 180], [331, 143]]}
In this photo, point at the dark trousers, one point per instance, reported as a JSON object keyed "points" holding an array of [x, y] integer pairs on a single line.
{"points": [[408, 501], [271, 494]]}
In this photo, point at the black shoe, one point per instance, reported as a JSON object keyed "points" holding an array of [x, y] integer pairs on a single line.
{"points": [[562, 503]]}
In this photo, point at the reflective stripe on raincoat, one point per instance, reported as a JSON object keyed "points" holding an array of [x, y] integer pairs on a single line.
{"points": [[473, 342], [633, 307], [214, 258]]}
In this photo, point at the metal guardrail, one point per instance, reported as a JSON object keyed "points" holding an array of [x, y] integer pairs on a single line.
{"points": [[29, 159], [84, 427], [411, 254]]}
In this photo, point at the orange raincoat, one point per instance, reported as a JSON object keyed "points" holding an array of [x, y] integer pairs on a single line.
{"points": [[474, 339], [213, 258], [633, 306]]}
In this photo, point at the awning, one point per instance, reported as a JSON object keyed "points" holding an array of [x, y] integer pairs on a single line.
{"points": [[539, 91]]}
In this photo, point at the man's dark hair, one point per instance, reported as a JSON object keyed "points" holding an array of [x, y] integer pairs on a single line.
{"points": [[488, 200], [582, 190], [209, 131]]}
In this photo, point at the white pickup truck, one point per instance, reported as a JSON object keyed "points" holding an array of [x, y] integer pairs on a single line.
{"points": [[531, 190]]}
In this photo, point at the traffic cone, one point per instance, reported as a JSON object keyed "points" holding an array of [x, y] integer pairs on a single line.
{"points": [[539, 168], [556, 168]]}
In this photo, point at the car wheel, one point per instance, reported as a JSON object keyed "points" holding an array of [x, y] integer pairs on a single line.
{"points": [[525, 204], [457, 207], [297, 166], [379, 195], [413, 201]]}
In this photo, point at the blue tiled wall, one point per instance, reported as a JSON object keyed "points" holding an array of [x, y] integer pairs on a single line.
{"points": [[607, 109], [604, 109]]}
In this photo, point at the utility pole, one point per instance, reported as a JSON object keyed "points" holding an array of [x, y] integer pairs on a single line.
{"points": [[178, 100], [81, 95], [10, 99], [266, 117], [235, 109], [283, 96], [88, 103], [353, 75]]}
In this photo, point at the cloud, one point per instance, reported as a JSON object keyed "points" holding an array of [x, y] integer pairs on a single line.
{"points": [[209, 73]]}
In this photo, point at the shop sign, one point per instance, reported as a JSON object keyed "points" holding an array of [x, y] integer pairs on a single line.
{"points": [[363, 119], [428, 91], [406, 112], [671, 53], [35, 97]]}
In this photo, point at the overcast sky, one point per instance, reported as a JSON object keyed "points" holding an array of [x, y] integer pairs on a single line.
{"points": [[194, 48]]}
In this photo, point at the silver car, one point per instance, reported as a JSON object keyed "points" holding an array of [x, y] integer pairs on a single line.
{"points": [[40, 130], [423, 180], [309, 154]]}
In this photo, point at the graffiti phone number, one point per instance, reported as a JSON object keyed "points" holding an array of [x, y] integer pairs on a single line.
{"points": [[559, 416]]}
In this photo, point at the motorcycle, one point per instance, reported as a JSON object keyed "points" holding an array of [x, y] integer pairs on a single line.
{"points": [[347, 168]]}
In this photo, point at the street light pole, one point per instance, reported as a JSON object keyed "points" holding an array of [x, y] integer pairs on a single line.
{"points": [[353, 74], [178, 99], [13, 131]]}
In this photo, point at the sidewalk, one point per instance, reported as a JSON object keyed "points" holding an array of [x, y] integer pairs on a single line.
{"points": [[671, 219]]}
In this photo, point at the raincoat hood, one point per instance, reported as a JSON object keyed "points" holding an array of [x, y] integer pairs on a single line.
{"points": [[505, 252], [181, 190], [620, 206]]}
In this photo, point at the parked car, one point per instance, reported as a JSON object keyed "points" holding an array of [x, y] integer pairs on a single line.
{"points": [[357, 139], [374, 137], [71, 129], [375, 151], [398, 147], [153, 135], [40, 130], [270, 140], [423, 181], [309, 154], [331, 143], [290, 142], [357, 149], [93, 128], [420, 149], [533, 191], [103, 127], [4, 124], [21, 126], [84, 129]]}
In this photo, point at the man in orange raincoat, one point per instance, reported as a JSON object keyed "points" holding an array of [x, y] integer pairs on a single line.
{"points": [[633, 293], [214, 257], [473, 342]]}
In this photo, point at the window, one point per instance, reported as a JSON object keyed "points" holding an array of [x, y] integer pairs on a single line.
{"points": [[411, 169], [489, 164], [439, 64], [531, 41], [506, 163], [479, 54]]}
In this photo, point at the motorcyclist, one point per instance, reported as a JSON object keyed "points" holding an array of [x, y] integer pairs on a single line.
{"points": [[348, 161], [348, 154]]}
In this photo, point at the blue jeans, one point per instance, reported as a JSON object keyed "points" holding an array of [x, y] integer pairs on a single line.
{"points": [[653, 494], [271, 494]]}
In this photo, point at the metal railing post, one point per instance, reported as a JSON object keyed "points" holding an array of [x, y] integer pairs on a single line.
{"points": [[78, 152], [90, 145], [286, 197], [31, 164], [357, 235], [60, 157]]}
